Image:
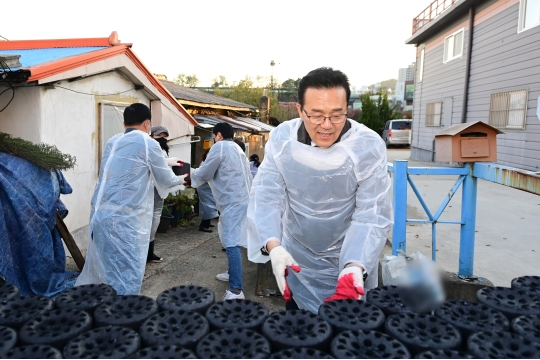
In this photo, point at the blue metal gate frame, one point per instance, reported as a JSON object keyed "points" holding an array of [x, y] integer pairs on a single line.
{"points": [[468, 178]]}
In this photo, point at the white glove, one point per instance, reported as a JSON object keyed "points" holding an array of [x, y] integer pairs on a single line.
{"points": [[280, 259], [350, 284], [173, 161]]}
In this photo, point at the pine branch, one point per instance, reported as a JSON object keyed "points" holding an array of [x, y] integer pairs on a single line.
{"points": [[45, 156]]}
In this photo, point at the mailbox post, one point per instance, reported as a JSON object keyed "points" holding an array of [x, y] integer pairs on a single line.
{"points": [[467, 143]]}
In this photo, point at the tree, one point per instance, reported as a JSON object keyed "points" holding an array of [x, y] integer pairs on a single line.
{"points": [[290, 84], [250, 90], [376, 113], [187, 80], [289, 90], [219, 81]]}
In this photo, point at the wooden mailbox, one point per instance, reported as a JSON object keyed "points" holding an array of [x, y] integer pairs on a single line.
{"points": [[469, 142]]}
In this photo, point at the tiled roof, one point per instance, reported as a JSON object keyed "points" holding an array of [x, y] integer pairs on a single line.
{"points": [[201, 97]]}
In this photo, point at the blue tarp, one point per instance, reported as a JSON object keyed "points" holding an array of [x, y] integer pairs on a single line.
{"points": [[32, 255]]}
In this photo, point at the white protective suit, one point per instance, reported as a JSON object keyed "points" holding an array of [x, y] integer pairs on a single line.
{"points": [[226, 169], [121, 215], [328, 207]]}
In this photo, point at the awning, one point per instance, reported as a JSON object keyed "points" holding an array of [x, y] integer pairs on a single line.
{"points": [[239, 123]]}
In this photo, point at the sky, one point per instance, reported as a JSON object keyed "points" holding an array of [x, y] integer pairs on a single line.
{"points": [[363, 38]]}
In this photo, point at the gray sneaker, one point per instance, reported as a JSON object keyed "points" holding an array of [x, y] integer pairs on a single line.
{"points": [[223, 277], [231, 296]]}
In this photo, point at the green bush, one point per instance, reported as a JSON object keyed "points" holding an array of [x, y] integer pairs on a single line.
{"points": [[181, 202]]}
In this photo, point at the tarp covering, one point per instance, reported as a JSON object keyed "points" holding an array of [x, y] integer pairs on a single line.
{"points": [[32, 256]]}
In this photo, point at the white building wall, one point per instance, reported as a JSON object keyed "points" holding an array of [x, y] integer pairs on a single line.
{"points": [[71, 122], [22, 118]]}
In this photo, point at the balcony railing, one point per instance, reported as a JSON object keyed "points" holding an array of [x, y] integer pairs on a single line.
{"points": [[435, 9]]}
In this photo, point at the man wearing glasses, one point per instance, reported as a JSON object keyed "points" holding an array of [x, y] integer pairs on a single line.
{"points": [[320, 203]]}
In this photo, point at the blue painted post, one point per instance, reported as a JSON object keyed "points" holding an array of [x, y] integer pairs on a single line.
{"points": [[468, 217], [399, 231], [434, 241]]}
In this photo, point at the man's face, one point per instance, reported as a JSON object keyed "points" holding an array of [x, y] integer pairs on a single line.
{"points": [[323, 102]]}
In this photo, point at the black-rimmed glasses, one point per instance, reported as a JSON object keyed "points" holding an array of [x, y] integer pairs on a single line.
{"points": [[319, 119]]}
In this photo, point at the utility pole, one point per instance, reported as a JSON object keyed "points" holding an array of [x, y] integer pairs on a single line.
{"points": [[272, 63]]}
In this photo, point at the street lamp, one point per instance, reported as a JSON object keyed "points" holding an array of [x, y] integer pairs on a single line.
{"points": [[272, 63]]}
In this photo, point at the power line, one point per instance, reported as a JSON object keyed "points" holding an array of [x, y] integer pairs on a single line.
{"points": [[83, 93], [3, 38], [12, 96]]}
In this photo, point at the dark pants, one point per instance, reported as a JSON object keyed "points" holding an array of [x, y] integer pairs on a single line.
{"points": [[205, 224]]}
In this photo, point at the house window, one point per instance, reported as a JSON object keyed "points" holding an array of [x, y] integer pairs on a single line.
{"points": [[433, 114], [529, 14], [453, 46], [421, 67], [111, 122], [508, 110]]}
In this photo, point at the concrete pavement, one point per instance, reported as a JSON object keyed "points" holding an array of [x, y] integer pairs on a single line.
{"points": [[507, 243]]}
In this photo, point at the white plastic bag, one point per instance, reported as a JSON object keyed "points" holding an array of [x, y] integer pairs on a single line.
{"points": [[417, 273]]}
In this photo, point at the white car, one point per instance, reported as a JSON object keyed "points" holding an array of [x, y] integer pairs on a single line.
{"points": [[397, 132]]}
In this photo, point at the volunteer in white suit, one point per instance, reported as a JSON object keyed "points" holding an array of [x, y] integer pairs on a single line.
{"points": [[226, 169], [122, 205], [320, 202]]}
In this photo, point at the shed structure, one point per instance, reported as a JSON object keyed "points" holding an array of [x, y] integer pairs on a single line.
{"points": [[71, 93]]}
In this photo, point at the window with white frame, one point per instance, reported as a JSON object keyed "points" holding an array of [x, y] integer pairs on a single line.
{"points": [[421, 66], [111, 122], [529, 14], [433, 114], [453, 46], [508, 110]]}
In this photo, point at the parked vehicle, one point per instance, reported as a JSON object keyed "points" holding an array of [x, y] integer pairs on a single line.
{"points": [[397, 132]]}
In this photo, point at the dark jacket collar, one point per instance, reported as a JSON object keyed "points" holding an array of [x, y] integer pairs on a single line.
{"points": [[303, 136]]}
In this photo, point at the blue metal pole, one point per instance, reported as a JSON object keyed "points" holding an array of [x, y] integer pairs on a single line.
{"points": [[468, 217], [434, 241], [399, 231]]}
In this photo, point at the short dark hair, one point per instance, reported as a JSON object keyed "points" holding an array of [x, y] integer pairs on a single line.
{"points": [[225, 129], [241, 144], [136, 114], [323, 78]]}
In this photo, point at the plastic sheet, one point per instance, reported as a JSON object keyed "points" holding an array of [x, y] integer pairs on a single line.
{"points": [[226, 169], [419, 274], [329, 206], [122, 207], [32, 255]]}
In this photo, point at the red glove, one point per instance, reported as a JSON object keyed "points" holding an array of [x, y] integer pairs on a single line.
{"points": [[350, 284]]}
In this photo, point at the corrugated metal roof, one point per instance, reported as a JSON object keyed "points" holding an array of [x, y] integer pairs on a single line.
{"points": [[263, 126], [34, 57], [242, 123], [189, 94]]}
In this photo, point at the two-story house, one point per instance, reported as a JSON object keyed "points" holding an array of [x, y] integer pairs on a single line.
{"points": [[479, 60]]}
